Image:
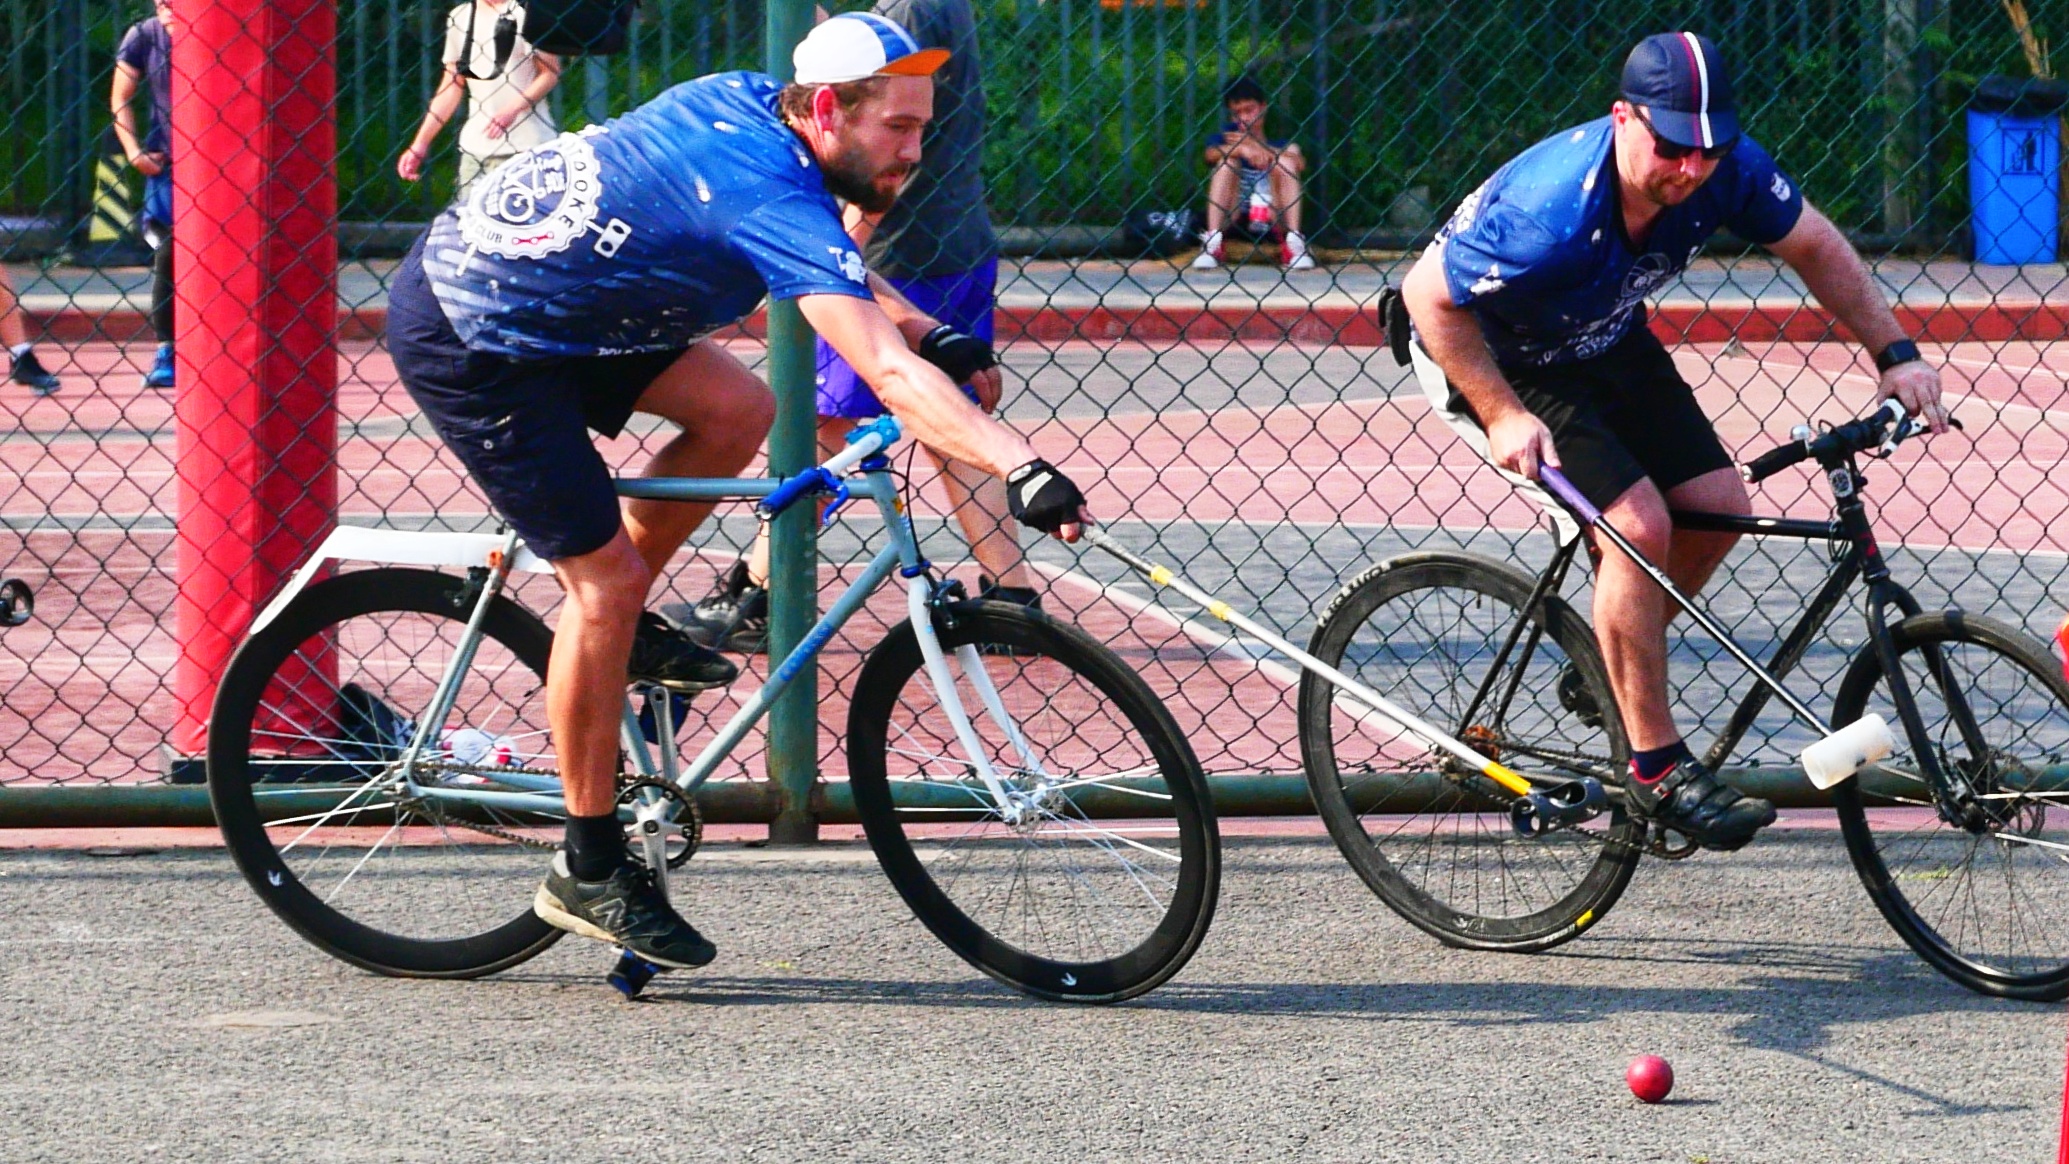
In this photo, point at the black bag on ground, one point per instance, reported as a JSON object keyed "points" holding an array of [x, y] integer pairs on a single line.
{"points": [[1159, 234], [578, 27]]}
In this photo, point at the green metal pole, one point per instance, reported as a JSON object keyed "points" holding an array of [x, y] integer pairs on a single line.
{"points": [[793, 749]]}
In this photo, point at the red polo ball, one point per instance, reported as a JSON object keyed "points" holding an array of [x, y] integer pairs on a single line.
{"points": [[1650, 1077]]}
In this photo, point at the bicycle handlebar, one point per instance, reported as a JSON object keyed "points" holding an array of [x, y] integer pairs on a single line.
{"points": [[864, 443], [1859, 436]]}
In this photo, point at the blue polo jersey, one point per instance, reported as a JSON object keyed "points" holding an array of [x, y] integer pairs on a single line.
{"points": [[1539, 252], [646, 233]]}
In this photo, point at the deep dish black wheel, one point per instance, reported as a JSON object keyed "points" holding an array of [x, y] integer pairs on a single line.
{"points": [[1984, 896], [305, 750], [1105, 884], [1432, 839]]}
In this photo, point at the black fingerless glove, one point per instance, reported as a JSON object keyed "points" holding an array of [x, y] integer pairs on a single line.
{"points": [[1042, 498], [956, 353]]}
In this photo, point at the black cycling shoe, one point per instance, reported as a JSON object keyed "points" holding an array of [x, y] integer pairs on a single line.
{"points": [[627, 909], [1575, 697], [734, 617], [1689, 800], [662, 654]]}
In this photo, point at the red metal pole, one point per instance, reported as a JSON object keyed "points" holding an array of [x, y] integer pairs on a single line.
{"points": [[254, 221]]}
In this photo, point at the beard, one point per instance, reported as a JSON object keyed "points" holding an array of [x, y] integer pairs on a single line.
{"points": [[851, 179]]}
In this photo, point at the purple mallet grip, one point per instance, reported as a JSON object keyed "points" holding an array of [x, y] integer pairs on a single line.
{"points": [[1563, 489]]}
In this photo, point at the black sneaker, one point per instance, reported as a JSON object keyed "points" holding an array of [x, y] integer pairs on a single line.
{"points": [[734, 617], [1689, 800], [30, 371], [666, 657], [990, 591], [372, 730], [1575, 697], [627, 909]]}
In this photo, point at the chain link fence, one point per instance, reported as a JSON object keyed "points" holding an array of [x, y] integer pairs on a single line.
{"points": [[1243, 424]]}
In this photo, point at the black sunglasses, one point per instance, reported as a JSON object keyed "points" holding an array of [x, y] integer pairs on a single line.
{"points": [[1671, 151]]}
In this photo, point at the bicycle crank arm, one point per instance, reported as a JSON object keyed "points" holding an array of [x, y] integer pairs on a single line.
{"points": [[1554, 805]]}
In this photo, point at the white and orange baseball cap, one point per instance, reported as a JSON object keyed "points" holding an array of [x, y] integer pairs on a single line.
{"points": [[855, 45]]}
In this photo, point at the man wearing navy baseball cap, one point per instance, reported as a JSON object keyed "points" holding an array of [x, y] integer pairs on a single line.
{"points": [[581, 282], [1529, 316]]}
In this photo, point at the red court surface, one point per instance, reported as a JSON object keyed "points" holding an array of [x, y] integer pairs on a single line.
{"points": [[85, 682]]}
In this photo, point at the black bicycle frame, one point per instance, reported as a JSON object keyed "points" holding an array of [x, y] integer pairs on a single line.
{"points": [[1859, 558]]}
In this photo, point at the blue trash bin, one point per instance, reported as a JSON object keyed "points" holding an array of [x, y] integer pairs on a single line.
{"points": [[2015, 169]]}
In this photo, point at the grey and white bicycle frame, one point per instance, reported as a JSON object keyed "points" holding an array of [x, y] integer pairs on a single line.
{"points": [[491, 558]]}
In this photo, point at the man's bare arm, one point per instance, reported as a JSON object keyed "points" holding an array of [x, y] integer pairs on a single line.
{"points": [[1841, 282], [936, 411], [1517, 440]]}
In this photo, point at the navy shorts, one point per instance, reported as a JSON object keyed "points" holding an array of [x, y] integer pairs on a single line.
{"points": [[520, 426], [1619, 418], [962, 301]]}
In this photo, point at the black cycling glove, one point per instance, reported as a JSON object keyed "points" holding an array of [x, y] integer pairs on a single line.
{"points": [[956, 353], [1041, 497]]}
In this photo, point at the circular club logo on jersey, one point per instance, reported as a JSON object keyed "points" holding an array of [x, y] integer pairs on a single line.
{"points": [[535, 204]]}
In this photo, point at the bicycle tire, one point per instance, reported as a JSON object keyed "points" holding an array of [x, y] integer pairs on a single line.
{"points": [[1956, 891], [407, 889], [1430, 838], [995, 893]]}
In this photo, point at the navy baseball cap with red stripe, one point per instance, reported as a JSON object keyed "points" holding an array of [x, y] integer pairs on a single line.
{"points": [[1680, 79]]}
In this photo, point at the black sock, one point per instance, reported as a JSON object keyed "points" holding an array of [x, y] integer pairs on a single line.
{"points": [[596, 846], [1652, 764]]}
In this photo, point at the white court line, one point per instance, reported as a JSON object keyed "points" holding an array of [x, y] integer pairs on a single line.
{"points": [[1213, 638]]}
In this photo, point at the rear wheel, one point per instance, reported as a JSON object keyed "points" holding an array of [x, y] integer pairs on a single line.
{"points": [[1431, 837], [1977, 884], [305, 750], [1098, 880]]}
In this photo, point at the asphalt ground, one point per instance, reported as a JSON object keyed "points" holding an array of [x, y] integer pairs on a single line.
{"points": [[155, 1010]]}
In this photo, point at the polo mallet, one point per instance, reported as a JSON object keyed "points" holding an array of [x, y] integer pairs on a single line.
{"points": [[1536, 809], [1827, 762]]}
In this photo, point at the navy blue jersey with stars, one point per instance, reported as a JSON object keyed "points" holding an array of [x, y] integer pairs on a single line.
{"points": [[644, 234], [1539, 252]]}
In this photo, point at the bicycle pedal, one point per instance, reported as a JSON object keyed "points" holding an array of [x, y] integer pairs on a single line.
{"points": [[1656, 843], [1560, 804], [631, 974]]}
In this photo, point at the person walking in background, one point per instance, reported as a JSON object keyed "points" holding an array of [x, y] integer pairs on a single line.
{"points": [[1254, 183], [25, 368], [936, 246], [505, 81], [145, 60]]}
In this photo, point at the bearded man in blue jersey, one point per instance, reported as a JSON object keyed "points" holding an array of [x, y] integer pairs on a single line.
{"points": [[580, 282], [1531, 339]]}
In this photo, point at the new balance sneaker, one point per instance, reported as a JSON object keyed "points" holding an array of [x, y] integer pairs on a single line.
{"points": [[1210, 252], [734, 617], [160, 375], [1688, 799], [30, 371], [666, 657], [1294, 255], [627, 909]]}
